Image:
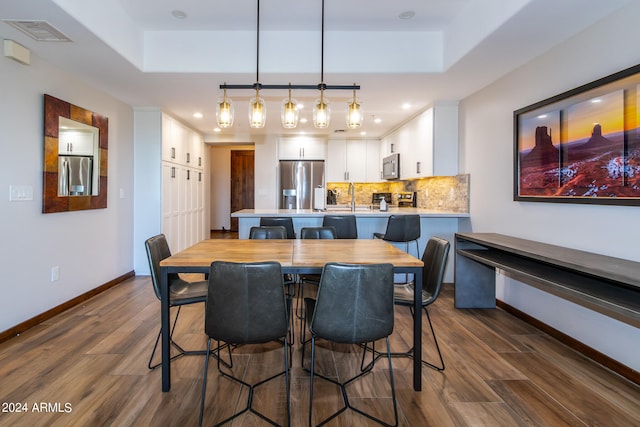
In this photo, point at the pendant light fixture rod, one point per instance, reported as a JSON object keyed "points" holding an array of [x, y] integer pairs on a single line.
{"points": [[322, 49], [300, 87], [258, 42]]}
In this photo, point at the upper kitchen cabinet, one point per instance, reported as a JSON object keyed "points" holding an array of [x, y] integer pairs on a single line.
{"points": [[302, 148], [353, 160], [428, 144], [180, 144]]}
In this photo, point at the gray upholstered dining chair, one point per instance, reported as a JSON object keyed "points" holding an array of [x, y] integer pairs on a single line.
{"points": [[435, 261], [246, 304], [268, 232], [325, 232], [181, 292], [354, 305], [278, 232], [345, 225]]}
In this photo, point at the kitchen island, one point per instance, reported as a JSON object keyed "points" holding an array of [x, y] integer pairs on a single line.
{"points": [[369, 221]]}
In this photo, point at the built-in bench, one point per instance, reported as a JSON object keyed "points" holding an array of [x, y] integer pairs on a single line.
{"points": [[605, 284]]}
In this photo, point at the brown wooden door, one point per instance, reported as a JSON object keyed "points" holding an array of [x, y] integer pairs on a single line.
{"points": [[242, 182]]}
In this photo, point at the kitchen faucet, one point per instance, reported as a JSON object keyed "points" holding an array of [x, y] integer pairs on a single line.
{"points": [[352, 190]]}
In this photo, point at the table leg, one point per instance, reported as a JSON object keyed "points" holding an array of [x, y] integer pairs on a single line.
{"points": [[164, 323], [417, 331]]}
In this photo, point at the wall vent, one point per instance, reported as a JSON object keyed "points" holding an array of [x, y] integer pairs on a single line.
{"points": [[39, 30]]}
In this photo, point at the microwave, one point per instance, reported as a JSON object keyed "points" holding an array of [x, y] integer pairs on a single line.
{"points": [[391, 167]]}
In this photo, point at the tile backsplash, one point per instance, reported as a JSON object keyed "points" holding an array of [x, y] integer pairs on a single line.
{"points": [[437, 193]]}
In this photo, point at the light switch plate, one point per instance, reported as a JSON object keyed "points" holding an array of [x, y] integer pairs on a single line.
{"points": [[20, 192]]}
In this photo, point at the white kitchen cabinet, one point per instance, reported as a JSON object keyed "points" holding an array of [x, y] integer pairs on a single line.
{"points": [[336, 161], [182, 185], [181, 145], [353, 160], [302, 148], [427, 144], [374, 166]]}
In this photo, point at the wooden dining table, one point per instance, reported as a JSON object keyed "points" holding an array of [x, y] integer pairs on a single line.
{"points": [[296, 256]]}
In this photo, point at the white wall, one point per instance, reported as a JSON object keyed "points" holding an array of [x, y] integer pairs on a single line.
{"points": [[90, 247], [486, 152]]}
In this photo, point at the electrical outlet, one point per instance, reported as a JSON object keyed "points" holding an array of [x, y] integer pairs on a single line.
{"points": [[55, 273]]}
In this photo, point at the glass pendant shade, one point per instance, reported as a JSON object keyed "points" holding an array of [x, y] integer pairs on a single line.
{"points": [[257, 112], [290, 113], [354, 114], [224, 112], [321, 112]]}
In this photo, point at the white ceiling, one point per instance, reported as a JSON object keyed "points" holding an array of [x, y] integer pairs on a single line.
{"points": [[140, 53]]}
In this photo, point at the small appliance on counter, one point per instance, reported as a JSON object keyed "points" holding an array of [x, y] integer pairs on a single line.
{"points": [[332, 197], [377, 197], [407, 199], [319, 199]]}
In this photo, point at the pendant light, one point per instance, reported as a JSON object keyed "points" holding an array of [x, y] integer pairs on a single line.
{"points": [[354, 115], [224, 112], [321, 112], [290, 112], [257, 111]]}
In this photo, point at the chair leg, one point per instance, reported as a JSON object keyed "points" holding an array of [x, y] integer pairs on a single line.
{"points": [[435, 341], [252, 387], [204, 382], [409, 353], [181, 351], [155, 346], [343, 390]]}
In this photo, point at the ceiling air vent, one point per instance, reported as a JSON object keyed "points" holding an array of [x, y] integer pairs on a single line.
{"points": [[39, 30], [339, 131]]}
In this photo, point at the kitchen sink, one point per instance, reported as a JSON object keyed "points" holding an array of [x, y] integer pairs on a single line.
{"points": [[346, 208]]}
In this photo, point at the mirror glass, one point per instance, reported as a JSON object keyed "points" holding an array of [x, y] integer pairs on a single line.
{"points": [[75, 157], [78, 152]]}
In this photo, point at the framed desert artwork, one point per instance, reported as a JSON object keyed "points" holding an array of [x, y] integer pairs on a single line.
{"points": [[582, 146]]}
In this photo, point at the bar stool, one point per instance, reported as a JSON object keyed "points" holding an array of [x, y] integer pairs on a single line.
{"points": [[345, 225], [403, 229]]}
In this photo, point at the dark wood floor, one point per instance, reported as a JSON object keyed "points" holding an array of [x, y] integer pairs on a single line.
{"points": [[88, 367]]}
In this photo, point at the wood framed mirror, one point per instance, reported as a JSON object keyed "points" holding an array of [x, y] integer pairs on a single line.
{"points": [[76, 141]]}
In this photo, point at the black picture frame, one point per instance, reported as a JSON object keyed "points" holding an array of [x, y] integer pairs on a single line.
{"points": [[581, 146]]}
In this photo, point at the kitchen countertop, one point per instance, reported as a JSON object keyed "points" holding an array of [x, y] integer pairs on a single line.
{"points": [[363, 211]]}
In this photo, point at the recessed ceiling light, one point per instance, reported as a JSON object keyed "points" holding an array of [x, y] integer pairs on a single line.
{"points": [[303, 120], [363, 133], [406, 106], [407, 15], [216, 129], [178, 14], [300, 105], [377, 119], [197, 115]]}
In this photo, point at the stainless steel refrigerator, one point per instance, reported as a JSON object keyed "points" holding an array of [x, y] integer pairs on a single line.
{"points": [[298, 179], [75, 175]]}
